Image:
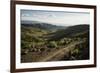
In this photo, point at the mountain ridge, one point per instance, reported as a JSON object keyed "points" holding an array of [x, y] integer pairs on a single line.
{"points": [[41, 25]]}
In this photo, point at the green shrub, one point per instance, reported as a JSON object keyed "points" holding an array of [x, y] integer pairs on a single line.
{"points": [[52, 44]]}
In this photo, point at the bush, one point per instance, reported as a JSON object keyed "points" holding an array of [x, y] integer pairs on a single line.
{"points": [[24, 45], [52, 44]]}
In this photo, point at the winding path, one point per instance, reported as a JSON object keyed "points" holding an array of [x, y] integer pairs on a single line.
{"points": [[57, 54]]}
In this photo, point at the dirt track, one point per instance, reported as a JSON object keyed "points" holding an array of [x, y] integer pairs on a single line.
{"points": [[58, 54]]}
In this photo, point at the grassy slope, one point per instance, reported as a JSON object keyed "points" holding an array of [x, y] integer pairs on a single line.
{"points": [[31, 37]]}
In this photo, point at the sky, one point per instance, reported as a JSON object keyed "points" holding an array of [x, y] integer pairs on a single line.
{"points": [[62, 18]]}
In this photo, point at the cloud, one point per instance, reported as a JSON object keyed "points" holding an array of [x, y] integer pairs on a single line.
{"points": [[54, 17]]}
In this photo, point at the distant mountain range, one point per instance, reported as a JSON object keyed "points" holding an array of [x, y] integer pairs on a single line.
{"points": [[41, 25], [29, 22]]}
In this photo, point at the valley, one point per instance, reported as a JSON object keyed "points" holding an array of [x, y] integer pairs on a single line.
{"points": [[41, 42]]}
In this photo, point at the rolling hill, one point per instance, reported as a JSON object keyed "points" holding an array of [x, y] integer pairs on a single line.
{"points": [[72, 31], [46, 42]]}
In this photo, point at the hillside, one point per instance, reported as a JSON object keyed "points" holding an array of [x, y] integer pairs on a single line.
{"points": [[69, 32], [40, 43]]}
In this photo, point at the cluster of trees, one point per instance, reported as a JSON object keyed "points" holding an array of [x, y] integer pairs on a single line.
{"points": [[79, 52], [40, 45]]}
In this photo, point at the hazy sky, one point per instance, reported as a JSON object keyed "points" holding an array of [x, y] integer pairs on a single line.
{"points": [[62, 18]]}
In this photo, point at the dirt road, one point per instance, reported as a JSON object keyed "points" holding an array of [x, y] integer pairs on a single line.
{"points": [[57, 54]]}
